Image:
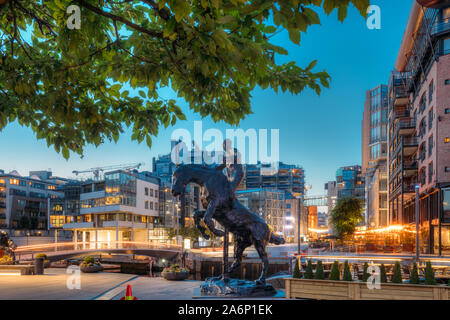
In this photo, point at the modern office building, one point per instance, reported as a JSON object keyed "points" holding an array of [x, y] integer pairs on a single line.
{"points": [[25, 201], [374, 156], [284, 177], [350, 182], [419, 132], [122, 207]]}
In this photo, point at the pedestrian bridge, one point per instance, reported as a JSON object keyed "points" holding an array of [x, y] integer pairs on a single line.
{"points": [[66, 250]]}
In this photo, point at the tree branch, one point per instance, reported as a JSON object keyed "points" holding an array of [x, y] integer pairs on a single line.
{"points": [[113, 17]]}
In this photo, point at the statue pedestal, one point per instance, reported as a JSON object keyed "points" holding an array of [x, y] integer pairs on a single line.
{"points": [[235, 288]]}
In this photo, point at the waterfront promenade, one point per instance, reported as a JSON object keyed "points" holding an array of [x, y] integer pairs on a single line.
{"points": [[100, 286]]}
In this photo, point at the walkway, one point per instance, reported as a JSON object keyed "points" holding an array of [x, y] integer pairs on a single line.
{"points": [[52, 285]]}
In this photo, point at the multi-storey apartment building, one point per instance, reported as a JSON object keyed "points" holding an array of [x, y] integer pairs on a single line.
{"points": [[419, 133], [374, 155], [122, 207], [284, 177], [25, 201]]}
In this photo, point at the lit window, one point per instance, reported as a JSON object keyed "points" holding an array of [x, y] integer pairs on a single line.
{"points": [[14, 181], [447, 140]]}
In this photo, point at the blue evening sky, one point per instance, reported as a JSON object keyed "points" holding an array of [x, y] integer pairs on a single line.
{"points": [[318, 133]]}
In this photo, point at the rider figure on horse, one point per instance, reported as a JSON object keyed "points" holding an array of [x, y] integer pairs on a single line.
{"points": [[231, 161]]}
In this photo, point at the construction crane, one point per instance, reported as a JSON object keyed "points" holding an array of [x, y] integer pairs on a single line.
{"points": [[96, 171]]}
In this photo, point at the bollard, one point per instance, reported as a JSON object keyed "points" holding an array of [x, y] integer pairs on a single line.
{"points": [[39, 266]]}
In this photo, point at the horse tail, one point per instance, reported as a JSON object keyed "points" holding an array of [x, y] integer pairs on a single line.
{"points": [[276, 239]]}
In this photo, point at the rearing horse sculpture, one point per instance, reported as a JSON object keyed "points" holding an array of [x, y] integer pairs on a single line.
{"points": [[247, 227]]}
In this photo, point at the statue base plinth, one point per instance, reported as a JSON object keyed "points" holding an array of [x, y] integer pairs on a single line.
{"points": [[235, 288]]}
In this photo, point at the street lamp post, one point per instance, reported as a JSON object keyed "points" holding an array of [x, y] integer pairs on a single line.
{"points": [[299, 212], [417, 222]]}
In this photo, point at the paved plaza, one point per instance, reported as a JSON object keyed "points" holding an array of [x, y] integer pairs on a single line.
{"points": [[100, 286], [52, 285], [95, 286]]}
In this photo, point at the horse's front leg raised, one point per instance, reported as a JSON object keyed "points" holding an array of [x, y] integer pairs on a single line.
{"points": [[261, 249], [198, 216], [208, 219]]}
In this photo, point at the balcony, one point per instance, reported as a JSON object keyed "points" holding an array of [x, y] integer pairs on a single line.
{"points": [[441, 28], [402, 114], [78, 225], [409, 188], [400, 96], [410, 145], [410, 168], [406, 127]]}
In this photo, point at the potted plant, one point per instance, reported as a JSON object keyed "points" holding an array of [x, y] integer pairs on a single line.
{"points": [[90, 266], [43, 256], [175, 273], [6, 260]]}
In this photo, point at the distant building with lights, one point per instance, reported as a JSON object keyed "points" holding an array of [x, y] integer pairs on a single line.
{"points": [[25, 201], [280, 209], [124, 206]]}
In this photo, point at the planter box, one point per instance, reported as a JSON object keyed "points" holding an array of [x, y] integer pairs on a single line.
{"points": [[175, 276], [91, 269], [343, 290]]}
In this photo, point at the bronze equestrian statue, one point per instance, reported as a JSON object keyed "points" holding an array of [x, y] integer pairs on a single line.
{"points": [[247, 227]]}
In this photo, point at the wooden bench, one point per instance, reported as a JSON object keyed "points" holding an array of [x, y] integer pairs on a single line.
{"points": [[17, 269]]}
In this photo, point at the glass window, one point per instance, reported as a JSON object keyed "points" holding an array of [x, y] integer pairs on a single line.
{"points": [[446, 48], [446, 204], [430, 172]]}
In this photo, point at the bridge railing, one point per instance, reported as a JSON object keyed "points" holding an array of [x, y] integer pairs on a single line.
{"points": [[31, 250]]}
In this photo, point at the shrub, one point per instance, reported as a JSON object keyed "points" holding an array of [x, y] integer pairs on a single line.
{"points": [[347, 274], [41, 255], [296, 274], [414, 276], [309, 270], [365, 275], [383, 278], [335, 274], [319, 271], [448, 282], [175, 268], [429, 274], [89, 260], [6, 260], [397, 277]]}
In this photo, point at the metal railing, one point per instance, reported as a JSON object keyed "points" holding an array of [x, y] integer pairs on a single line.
{"points": [[440, 27], [28, 252]]}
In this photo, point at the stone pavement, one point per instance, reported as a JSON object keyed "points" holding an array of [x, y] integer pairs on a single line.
{"points": [[145, 288], [52, 285], [99, 286]]}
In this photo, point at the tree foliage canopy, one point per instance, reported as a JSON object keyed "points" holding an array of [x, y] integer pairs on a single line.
{"points": [[70, 86], [346, 216]]}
